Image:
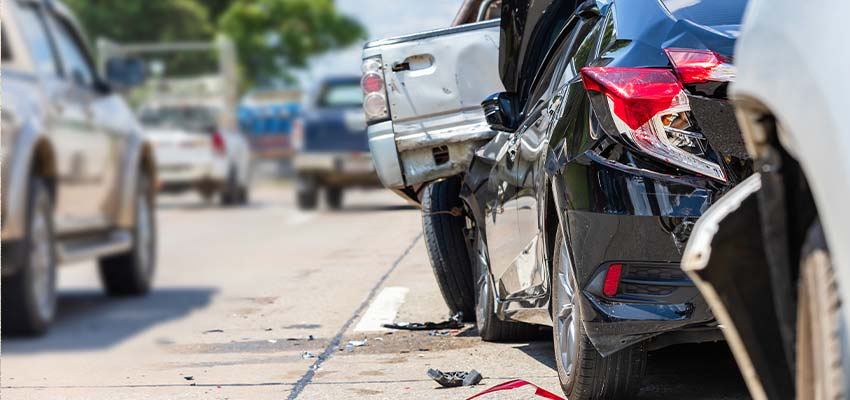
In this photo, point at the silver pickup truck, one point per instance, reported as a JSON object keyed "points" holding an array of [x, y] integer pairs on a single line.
{"points": [[423, 95], [78, 176]]}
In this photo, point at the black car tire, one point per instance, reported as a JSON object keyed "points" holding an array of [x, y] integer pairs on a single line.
{"points": [[306, 193], [231, 193], [131, 273], [490, 327], [447, 246], [588, 375], [334, 197], [820, 365], [29, 296]]}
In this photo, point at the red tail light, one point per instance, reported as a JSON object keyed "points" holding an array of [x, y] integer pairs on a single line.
{"points": [[375, 104], [612, 280], [636, 93], [700, 66], [650, 109], [218, 143]]}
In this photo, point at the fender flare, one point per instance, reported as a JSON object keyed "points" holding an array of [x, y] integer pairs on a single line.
{"points": [[141, 158]]}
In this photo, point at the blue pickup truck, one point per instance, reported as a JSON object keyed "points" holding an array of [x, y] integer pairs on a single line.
{"points": [[332, 149]]}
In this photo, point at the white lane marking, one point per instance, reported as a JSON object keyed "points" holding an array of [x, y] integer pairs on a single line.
{"points": [[383, 309], [299, 218]]}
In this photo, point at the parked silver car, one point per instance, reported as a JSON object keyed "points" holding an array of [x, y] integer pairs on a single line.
{"points": [[78, 178]]}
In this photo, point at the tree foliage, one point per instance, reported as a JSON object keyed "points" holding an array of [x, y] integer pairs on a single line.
{"points": [[274, 35], [271, 36]]}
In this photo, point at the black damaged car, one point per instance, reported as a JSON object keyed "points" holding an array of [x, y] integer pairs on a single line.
{"points": [[615, 135]]}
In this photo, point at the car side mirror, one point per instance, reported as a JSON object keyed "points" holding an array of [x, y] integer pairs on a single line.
{"points": [[500, 111], [123, 73]]}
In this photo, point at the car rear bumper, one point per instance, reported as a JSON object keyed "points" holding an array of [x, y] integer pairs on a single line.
{"points": [[410, 159], [642, 221], [337, 168]]}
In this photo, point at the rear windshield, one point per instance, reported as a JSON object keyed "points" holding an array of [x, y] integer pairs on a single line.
{"points": [[341, 95], [189, 118], [708, 12]]}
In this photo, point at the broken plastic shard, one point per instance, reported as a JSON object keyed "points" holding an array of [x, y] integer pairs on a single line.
{"points": [[214, 331], [307, 354], [272, 341], [455, 379], [357, 343], [452, 323], [189, 378]]}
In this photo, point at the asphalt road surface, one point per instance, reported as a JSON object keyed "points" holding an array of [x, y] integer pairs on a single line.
{"points": [[261, 302]]}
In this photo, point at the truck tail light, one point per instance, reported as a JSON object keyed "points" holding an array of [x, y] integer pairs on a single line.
{"points": [[375, 103], [297, 137], [218, 143], [650, 110], [700, 66]]}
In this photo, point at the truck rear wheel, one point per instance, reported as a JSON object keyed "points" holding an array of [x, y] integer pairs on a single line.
{"points": [[334, 197], [306, 193], [821, 363], [131, 272], [446, 243], [29, 296]]}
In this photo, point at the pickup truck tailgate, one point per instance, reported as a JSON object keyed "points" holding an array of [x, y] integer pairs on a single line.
{"points": [[435, 82]]}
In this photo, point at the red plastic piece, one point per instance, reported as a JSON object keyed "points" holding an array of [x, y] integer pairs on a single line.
{"points": [[612, 280], [694, 66], [638, 94], [518, 383]]}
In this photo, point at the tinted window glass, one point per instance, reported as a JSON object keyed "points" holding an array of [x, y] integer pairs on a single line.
{"points": [[708, 12], [4, 48], [77, 66], [188, 118], [37, 41], [344, 95]]}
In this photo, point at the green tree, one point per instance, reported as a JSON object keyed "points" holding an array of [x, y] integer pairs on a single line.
{"points": [[273, 36], [134, 21]]}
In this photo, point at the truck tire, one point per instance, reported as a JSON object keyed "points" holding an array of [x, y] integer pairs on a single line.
{"points": [[230, 194], [446, 244], [490, 327], [29, 296], [821, 362], [131, 273], [306, 192], [583, 372], [334, 197]]}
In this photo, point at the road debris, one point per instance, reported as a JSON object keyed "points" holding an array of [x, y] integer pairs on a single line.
{"points": [[455, 379], [357, 343], [213, 331], [516, 384], [439, 333], [189, 378], [307, 354], [452, 323], [272, 341]]}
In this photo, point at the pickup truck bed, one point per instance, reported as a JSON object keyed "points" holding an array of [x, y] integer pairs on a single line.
{"points": [[435, 82]]}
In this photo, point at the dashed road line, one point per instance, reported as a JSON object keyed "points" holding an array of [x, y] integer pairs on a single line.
{"points": [[307, 378], [383, 310]]}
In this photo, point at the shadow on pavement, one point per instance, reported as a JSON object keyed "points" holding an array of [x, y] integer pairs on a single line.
{"points": [[90, 320], [375, 208], [693, 371]]}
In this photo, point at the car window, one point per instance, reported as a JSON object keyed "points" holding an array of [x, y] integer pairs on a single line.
{"points": [[188, 118], [37, 41], [341, 95], [74, 59], [4, 47]]}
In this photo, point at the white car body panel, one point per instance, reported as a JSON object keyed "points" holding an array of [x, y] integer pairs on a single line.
{"points": [[792, 59]]}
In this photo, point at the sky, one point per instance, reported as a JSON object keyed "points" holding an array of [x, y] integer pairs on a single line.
{"points": [[383, 19]]}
